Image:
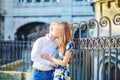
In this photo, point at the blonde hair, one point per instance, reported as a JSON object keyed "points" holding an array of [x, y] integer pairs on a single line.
{"points": [[64, 35]]}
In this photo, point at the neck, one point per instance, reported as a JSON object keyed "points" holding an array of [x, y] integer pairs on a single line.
{"points": [[51, 37]]}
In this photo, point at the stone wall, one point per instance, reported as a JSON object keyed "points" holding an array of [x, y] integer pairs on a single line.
{"points": [[107, 8]]}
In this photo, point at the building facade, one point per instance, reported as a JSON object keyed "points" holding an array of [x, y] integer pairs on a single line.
{"points": [[106, 8], [2, 13], [24, 17]]}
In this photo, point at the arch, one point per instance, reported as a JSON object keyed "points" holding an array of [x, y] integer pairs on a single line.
{"points": [[112, 74], [23, 31], [112, 77], [20, 21]]}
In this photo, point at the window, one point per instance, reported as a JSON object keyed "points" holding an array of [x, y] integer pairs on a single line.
{"points": [[29, 0], [56, 0], [88, 0], [78, 0], [83, 0], [47, 0], [20, 1], [38, 0]]}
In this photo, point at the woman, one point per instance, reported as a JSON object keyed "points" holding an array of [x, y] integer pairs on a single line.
{"points": [[65, 43]]}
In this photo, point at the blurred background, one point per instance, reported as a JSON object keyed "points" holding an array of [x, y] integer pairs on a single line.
{"points": [[20, 19], [96, 32]]}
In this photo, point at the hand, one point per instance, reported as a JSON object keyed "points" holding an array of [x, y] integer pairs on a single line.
{"points": [[53, 64], [46, 56]]}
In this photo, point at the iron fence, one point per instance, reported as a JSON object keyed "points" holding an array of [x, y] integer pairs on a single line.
{"points": [[15, 55], [94, 58], [98, 57]]}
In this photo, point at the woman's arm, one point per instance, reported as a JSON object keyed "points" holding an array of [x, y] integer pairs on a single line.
{"points": [[63, 62]]}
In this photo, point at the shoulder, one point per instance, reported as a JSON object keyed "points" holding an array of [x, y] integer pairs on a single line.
{"points": [[70, 43], [39, 40], [69, 46]]}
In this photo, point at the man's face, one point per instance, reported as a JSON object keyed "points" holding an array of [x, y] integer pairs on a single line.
{"points": [[54, 32]]}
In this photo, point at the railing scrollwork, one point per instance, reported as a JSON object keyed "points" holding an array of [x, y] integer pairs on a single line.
{"points": [[98, 42], [116, 19]]}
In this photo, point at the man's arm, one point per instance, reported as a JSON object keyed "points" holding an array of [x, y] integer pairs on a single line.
{"points": [[35, 52], [57, 61], [36, 55]]}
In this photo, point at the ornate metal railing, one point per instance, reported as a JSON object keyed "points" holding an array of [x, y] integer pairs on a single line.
{"points": [[15, 55], [98, 57], [94, 58]]}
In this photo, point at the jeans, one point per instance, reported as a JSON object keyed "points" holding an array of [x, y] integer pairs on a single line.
{"points": [[38, 75]]}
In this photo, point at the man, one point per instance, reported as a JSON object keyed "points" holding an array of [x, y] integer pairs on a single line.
{"points": [[42, 69]]}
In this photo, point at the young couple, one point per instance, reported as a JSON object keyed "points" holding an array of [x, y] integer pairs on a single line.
{"points": [[51, 53]]}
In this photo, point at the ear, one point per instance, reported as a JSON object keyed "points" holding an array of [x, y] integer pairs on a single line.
{"points": [[51, 28]]}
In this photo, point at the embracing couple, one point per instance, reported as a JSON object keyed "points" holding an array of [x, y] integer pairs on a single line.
{"points": [[51, 53]]}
